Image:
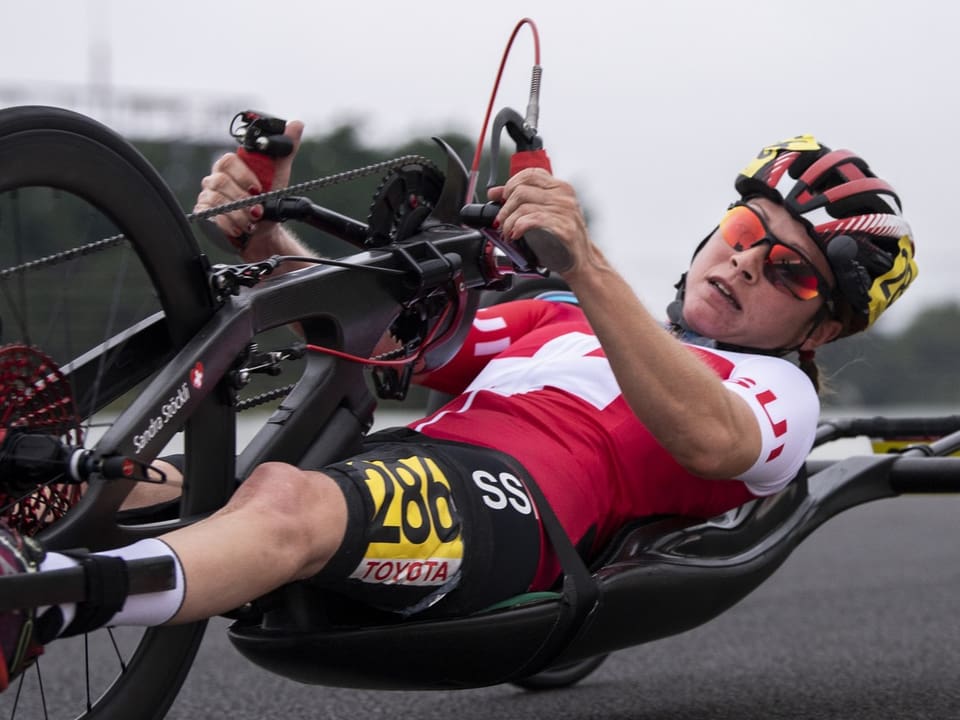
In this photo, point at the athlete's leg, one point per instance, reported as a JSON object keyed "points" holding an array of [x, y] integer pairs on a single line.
{"points": [[282, 524]]}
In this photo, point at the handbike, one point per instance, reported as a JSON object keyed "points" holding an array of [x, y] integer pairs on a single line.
{"points": [[92, 398]]}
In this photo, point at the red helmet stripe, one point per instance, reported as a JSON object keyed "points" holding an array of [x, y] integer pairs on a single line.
{"points": [[829, 162], [858, 187], [877, 225], [778, 167]]}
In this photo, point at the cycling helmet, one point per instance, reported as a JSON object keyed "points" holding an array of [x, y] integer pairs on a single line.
{"points": [[853, 216]]}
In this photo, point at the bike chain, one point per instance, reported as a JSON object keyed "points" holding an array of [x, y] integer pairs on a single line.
{"points": [[315, 184], [263, 398]]}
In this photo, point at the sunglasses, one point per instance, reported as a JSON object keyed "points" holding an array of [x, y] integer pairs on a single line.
{"points": [[785, 266]]}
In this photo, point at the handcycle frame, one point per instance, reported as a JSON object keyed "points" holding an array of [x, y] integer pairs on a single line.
{"points": [[684, 571], [331, 405]]}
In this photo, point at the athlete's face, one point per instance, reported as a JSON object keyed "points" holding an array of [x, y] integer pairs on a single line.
{"points": [[733, 298]]}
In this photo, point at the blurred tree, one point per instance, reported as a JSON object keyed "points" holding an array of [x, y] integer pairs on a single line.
{"points": [[913, 367]]}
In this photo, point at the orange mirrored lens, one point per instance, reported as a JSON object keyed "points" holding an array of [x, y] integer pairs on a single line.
{"points": [[786, 268], [741, 228], [793, 270]]}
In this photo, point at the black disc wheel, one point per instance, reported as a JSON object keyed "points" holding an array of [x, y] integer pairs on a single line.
{"points": [[101, 281]]}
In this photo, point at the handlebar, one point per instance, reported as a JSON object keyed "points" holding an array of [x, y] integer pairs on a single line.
{"points": [[890, 428], [303, 210], [262, 142], [496, 258]]}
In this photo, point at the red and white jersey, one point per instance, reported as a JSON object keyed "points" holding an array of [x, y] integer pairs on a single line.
{"points": [[531, 380]]}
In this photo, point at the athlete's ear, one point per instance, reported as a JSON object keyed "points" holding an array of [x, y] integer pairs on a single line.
{"points": [[824, 332]]}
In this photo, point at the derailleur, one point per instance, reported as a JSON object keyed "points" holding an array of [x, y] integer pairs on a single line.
{"points": [[228, 279], [254, 361]]}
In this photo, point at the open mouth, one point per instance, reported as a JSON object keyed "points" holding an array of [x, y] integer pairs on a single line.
{"points": [[725, 291]]}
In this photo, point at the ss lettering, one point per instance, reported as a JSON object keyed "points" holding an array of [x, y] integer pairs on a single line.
{"points": [[503, 490]]}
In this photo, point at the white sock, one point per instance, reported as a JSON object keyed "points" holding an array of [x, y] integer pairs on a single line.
{"points": [[150, 608], [143, 609], [56, 561]]}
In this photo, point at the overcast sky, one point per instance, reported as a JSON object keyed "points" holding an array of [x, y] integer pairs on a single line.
{"points": [[650, 108]]}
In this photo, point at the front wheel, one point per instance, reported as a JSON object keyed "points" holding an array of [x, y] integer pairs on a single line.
{"points": [[92, 243]]}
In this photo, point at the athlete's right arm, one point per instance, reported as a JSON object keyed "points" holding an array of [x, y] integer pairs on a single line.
{"points": [[231, 179]]}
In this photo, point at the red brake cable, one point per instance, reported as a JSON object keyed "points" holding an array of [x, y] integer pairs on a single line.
{"points": [[475, 167]]}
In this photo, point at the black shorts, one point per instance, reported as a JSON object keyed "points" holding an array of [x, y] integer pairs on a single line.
{"points": [[433, 524]]}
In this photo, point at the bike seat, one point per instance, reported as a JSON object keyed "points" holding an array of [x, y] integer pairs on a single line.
{"points": [[680, 571]]}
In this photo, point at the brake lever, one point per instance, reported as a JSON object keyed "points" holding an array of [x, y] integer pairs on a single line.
{"points": [[529, 153], [227, 279], [262, 142], [481, 217], [539, 250]]}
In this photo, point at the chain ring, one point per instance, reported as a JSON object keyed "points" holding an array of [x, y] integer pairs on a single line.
{"points": [[405, 198], [35, 396]]}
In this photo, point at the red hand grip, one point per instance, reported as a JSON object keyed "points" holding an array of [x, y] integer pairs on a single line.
{"points": [[529, 159], [263, 167]]}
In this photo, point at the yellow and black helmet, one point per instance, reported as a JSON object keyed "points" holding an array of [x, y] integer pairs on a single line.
{"points": [[853, 216]]}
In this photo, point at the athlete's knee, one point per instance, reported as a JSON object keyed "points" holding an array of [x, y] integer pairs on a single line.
{"points": [[299, 509], [286, 490]]}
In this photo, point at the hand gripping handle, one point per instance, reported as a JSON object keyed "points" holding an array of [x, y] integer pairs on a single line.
{"points": [[261, 141], [545, 246]]}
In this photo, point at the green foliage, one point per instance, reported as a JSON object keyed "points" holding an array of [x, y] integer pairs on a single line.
{"points": [[916, 366]]}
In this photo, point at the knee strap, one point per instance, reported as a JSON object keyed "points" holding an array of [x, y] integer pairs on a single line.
{"points": [[107, 586]]}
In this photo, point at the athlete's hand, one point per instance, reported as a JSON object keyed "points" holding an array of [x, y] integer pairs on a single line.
{"points": [[231, 179], [545, 211]]}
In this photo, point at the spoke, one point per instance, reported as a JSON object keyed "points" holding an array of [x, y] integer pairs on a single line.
{"points": [[18, 242], [86, 667], [26, 496], [43, 695], [116, 649], [15, 308], [16, 698], [111, 320]]}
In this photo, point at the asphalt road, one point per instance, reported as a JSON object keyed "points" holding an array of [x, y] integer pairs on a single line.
{"points": [[861, 622]]}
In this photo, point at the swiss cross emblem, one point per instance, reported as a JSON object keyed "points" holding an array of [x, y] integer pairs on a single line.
{"points": [[196, 376]]}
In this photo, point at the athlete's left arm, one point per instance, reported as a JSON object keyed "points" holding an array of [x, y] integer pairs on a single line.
{"points": [[786, 408]]}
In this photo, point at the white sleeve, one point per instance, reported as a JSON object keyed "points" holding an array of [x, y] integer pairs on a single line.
{"points": [[787, 409]]}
